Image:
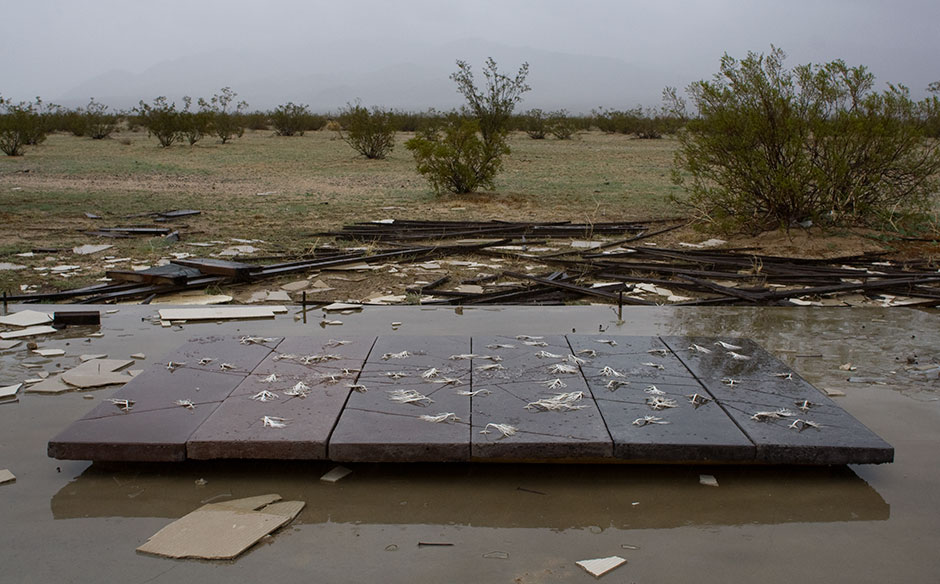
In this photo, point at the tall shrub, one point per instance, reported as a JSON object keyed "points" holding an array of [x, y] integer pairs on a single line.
{"points": [[370, 133], [492, 104], [225, 114], [454, 157], [773, 146], [161, 119]]}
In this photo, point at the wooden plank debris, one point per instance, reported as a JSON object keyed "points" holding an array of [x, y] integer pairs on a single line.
{"points": [[62, 318]]}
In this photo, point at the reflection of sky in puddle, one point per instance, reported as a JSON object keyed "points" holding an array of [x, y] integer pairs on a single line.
{"points": [[555, 497]]}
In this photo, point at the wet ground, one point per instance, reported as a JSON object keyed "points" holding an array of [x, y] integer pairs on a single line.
{"points": [[64, 521]]}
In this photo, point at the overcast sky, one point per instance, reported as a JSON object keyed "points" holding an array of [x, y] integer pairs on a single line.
{"points": [[49, 47]]}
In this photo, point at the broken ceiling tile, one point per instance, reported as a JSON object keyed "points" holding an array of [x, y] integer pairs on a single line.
{"points": [[600, 566], [295, 286], [90, 249], [97, 373], [10, 390], [335, 474], [193, 298], [338, 306], [278, 296], [6, 476], [26, 318], [220, 531], [28, 332], [220, 313], [49, 352], [52, 385]]}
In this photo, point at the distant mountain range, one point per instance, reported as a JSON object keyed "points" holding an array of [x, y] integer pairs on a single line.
{"points": [[413, 77]]}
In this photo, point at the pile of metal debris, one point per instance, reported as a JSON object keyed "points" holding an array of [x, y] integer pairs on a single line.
{"points": [[541, 263]]}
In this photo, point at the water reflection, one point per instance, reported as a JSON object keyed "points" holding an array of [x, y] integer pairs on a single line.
{"points": [[555, 497]]}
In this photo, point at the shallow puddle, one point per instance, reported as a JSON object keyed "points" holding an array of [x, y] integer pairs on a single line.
{"points": [[74, 521]]}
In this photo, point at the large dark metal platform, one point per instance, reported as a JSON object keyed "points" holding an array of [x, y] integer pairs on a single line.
{"points": [[573, 398]]}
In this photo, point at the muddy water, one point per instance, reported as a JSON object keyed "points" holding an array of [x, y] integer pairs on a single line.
{"points": [[66, 521]]}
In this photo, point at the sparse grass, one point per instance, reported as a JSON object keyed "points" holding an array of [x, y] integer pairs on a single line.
{"points": [[317, 184]]}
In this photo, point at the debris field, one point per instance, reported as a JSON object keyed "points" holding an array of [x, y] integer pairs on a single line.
{"points": [[523, 263]]}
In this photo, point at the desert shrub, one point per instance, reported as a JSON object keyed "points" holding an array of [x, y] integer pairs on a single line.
{"points": [[454, 158], [932, 115], [291, 119], [99, 124], [259, 121], [560, 125], [22, 124], [226, 117], [161, 119], [493, 104], [535, 124], [370, 133], [773, 146], [73, 121], [42, 121], [314, 122], [193, 124], [406, 121], [606, 120]]}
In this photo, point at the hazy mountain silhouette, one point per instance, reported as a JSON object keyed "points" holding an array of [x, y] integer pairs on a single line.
{"points": [[412, 77]]}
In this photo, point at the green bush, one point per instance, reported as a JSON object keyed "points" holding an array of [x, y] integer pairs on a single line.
{"points": [[260, 121], [370, 133], [98, 123], [454, 158], [933, 111], [161, 119], [193, 125], [74, 121], [561, 125], [22, 124], [535, 124], [773, 146], [493, 104], [226, 117], [291, 119]]}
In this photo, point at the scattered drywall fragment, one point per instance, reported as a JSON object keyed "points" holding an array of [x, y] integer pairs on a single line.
{"points": [[51, 385], [600, 566], [26, 318], [220, 312], [49, 352], [335, 474], [6, 476], [97, 373], [221, 531], [90, 249], [9, 391], [32, 331], [708, 480]]}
